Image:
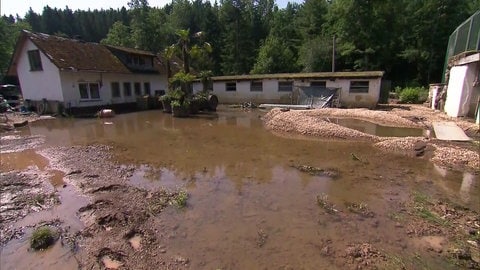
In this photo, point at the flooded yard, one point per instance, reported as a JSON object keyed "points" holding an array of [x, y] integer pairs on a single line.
{"points": [[255, 200]]}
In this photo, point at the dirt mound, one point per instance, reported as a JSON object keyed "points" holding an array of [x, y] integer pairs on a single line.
{"points": [[301, 123]]}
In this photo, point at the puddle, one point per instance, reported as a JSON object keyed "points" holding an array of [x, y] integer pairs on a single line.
{"points": [[375, 129], [149, 178], [16, 254], [136, 242], [248, 207]]}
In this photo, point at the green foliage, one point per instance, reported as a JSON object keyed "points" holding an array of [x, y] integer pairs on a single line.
{"points": [[42, 238], [413, 95], [119, 35], [180, 200], [9, 32]]}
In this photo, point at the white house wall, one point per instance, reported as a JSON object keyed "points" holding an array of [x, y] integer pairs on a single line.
{"points": [[37, 85], [348, 99], [71, 80], [270, 93]]}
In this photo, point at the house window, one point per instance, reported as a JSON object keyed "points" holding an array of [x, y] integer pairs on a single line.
{"points": [[285, 86], [89, 90], [35, 61], [256, 86], [146, 88], [231, 86], [115, 89], [318, 84], [137, 88], [127, 89], [359, 86]]}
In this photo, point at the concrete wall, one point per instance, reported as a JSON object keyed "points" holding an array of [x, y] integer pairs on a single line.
{"points": [[37, 85], [461, 94], [351, 100], [270, 93]]}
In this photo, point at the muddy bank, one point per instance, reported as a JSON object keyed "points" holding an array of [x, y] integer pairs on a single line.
{"points": [[456, 155], [23, 193], [123, 224]]}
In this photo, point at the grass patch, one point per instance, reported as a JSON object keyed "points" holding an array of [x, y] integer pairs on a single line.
{"points": [[422, 201], [421, 198], [42, 238], [430, 216], [180, 200]]}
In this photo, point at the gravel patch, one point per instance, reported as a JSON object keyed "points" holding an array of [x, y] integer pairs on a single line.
{"points": [[313, 123]]}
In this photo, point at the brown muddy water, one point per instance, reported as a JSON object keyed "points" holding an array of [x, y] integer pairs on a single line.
{"points": [[249, 207]]}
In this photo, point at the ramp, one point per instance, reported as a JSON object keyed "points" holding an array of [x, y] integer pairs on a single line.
{"points": [[449, 131]]}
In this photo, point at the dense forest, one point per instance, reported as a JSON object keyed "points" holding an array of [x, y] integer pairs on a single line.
{"points": [[405, 38]]}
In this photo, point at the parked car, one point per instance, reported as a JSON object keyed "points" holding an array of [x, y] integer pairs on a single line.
{"points": [[12, 94]]}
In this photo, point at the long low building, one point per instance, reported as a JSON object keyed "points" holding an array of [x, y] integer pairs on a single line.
{"points": [[356, 89]]}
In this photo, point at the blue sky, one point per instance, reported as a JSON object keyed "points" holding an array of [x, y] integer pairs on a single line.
{"points": [[21, 7]]}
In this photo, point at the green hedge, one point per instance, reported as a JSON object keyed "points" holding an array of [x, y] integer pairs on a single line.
{"points": [[413, 95]]}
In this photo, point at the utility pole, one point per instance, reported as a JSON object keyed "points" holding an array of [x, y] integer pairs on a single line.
{"points": [[333, 53]]}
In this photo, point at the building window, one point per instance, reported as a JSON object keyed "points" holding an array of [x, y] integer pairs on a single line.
{"points": [[285, 86], [127, 89], [256, 86], [89, 90], [137, 87], [231, 86], [359, 86], [146, 88], [35, 60], [318, 84], [115, 89]]}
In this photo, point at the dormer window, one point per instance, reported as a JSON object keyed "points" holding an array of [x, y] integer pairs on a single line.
{"points": [[139, 61], [35, 60]]}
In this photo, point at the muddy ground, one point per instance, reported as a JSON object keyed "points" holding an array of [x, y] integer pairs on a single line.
{"points": [[124, 226], [455, 155]]}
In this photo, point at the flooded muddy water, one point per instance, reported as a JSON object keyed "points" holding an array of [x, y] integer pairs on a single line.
{"points": [[376, 129], [249, 206]]}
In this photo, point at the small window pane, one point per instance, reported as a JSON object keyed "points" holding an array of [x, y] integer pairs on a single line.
{"points": [[83, 90], [285, 86], [231, 86], [138, 89], [127, 89], [94, 91], [146, 87], [256, 87], [359, 86], [115, 89], [35, 60]]}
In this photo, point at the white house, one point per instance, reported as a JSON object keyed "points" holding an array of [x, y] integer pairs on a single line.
{"points": [[356, 89], [56, 72]]}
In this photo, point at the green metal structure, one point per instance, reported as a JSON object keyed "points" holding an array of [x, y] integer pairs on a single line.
{"points": [[466, 38]]}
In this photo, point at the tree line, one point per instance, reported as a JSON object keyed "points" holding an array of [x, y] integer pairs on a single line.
{"points": [[405, 38]]}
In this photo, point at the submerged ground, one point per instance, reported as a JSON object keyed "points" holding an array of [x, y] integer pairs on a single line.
{"points": [[113, 189]]}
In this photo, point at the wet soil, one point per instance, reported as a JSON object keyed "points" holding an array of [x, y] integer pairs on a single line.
{"points": [[255, 200]]}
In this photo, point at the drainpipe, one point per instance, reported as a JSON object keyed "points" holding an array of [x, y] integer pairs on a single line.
{"points": [[333, 54]]}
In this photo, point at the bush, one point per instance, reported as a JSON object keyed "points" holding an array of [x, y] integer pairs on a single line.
{"points": [[413, 95], [42, 238]]}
